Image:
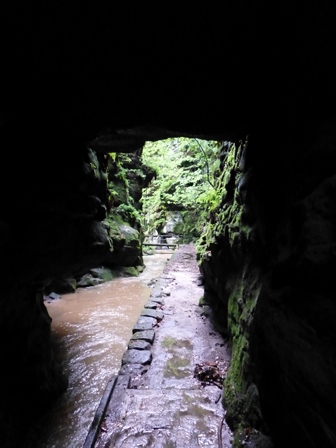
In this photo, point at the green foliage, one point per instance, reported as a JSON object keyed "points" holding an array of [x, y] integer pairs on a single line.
{"points": [[185, 171], [120, 199], [112, 155], [128, 213], [224, 207], [210, 199]]}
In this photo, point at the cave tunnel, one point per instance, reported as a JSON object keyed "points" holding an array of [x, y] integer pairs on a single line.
{"points": [[110, 78]]}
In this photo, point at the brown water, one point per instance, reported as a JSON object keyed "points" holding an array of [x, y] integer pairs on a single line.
{"points": [[91, 329]]}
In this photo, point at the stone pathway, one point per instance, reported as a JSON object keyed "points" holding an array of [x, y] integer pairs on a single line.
{"points": [[159, 397]]}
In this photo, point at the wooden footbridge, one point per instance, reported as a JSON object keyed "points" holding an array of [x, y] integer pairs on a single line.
{"points": [[163, 241], [162, 245]]}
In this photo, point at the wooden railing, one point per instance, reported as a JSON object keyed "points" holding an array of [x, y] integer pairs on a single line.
{"points": [[163, 242], [174, 245]]}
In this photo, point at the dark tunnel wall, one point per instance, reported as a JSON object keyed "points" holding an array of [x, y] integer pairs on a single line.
{"points": [[117, 65]]}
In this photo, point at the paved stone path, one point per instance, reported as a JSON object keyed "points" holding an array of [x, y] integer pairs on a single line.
{"points": [[156, 400]]}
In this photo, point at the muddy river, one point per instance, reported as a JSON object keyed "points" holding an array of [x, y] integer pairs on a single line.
{"points": [[91, 329]]}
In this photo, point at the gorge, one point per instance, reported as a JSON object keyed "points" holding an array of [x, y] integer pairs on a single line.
{"points": [[107, 78]]}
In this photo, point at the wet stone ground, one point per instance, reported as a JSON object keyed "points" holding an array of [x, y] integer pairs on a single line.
{"points": [[168, 392]]}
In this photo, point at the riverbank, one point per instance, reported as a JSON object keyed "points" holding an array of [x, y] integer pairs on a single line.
{"points": [[168, 390], [90, 331]]}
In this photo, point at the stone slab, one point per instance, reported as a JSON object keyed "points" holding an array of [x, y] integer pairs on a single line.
{"points": [[133, 356], [151, 304], [139, 345], [158, 299], [156, 295], [147, 335], [156, 314], [144, 323], [133, 370]]}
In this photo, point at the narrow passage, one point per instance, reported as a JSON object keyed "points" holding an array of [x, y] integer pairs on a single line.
{"points": [[168, 392]]}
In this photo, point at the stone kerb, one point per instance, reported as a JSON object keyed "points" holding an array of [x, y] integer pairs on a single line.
{"points": [[135, 361]]}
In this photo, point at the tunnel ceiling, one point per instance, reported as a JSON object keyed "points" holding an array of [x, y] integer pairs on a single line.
{"points": [[83, 72]]}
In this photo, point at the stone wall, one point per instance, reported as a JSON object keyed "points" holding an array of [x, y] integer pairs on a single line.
{"points": [[267, 260], [57, 231]]}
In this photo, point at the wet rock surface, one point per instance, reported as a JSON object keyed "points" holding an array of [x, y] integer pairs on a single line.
{"points": [[159, 397], [144, 323]]}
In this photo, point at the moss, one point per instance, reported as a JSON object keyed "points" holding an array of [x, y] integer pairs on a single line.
{"points": [[140, 268], [119, 230], [227, 215], [203, 301], [113, 223], [175, 344], [226, 241], [103, 273], [204, 242], [94, 164], [117, 193], [175, 368], [234, 308], [131, 271], [237, 397]]}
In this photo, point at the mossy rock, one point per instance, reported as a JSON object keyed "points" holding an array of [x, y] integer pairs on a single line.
{"points": [[104, 274], [129, 234], [88, 280], [131, 271], [202, 301]]}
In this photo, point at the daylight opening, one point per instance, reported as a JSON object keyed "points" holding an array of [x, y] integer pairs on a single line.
{"points": [[176, 203]]}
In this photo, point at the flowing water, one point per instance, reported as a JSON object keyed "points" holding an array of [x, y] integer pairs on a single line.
{"points": [[91, 329]]}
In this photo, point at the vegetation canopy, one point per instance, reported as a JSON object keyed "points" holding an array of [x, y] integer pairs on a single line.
{"points": [[185, 172]]}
